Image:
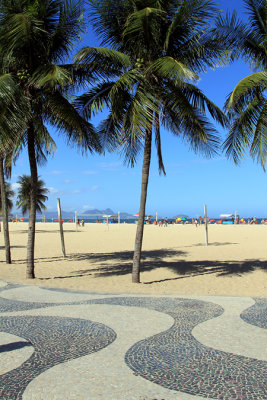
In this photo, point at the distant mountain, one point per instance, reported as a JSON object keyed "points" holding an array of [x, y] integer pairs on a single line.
{"points": [[97, 212], [88, 214], [108, 211]]}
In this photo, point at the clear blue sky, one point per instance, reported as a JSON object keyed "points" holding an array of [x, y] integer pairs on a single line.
{"points": [[192, 181]]}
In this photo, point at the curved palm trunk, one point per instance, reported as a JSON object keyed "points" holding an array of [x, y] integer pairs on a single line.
{"points": [[32, 213], [140, 225], [5, 212]]}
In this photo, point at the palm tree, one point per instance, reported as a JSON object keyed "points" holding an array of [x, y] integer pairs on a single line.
{"points": [[36, 40], [156, 49], [246, 105], [24, 194], [6, 205], [12, 121]]}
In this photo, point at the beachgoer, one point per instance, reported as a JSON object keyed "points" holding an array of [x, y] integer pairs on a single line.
{"points": [[78, 222], [82, 222], [166, 222], [196, 222], [160, 223], [200, 220]]}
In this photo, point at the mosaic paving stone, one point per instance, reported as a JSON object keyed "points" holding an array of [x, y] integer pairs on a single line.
{"points": [[229, 333], [256, 314], [55, 340], [13, 352], [7, 305], [104, 374], [174, 359]]}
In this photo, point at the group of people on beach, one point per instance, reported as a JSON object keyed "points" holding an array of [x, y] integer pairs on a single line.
{"points": [[80, 223]]}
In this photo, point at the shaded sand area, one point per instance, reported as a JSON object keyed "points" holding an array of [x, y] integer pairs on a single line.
{"points": [[175, 259]]}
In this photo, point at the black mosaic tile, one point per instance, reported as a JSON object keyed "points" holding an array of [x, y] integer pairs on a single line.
{"points": [[55, 340], [175, 360], [256, 314], [7, 305]]}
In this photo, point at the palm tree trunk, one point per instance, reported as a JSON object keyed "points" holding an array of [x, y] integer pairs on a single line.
{"points": [[5, 212], [140, 225], [32, 213]]}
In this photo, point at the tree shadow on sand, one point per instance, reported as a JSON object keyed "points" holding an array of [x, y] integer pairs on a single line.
{"points": [[13, 346], [120, 263]]}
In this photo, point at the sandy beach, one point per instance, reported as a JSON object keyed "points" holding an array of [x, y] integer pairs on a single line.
{"points": [[175, 259]]}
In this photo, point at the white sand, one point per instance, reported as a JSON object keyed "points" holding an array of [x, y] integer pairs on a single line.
{"points": [[175, 259]]}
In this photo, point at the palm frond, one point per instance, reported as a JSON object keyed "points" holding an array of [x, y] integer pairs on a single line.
{"points": [[101, 59], [52, 76], [94, 101], [109, 133], [143, 29], [127, 82], [241, 39], [190, 17], [61, 114], [67, 29], [169, 68], [185, 120], [44, 143], [246, 89], [108, 17], [258, 148], [158, 145], [258, 15], [243, 128], [7, 89]]}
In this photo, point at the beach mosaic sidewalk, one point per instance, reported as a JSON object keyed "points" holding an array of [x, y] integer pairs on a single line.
{"points": [[58, 344]]}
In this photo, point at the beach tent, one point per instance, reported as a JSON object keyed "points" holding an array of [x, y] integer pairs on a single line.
{"points": [[235, 216]]}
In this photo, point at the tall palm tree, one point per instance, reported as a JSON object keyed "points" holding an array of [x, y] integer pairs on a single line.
{"points": [[6, 205], [12, 121], [246, 105], [37, 38], [156, 49], [24, 194]]}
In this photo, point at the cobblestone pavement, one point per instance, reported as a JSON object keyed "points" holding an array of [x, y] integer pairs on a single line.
{"points": [[59, 344]]}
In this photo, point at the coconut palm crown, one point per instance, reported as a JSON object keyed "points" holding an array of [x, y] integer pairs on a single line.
{"points": [[246, 105], [152, 52], [24, 194]]}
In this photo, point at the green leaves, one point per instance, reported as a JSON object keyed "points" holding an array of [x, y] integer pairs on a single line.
{"points": [[101, 60], [24, 194], [52, 76], [169, 68], [248, 131], [143, 28], [247, 89], [157, 48]]}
